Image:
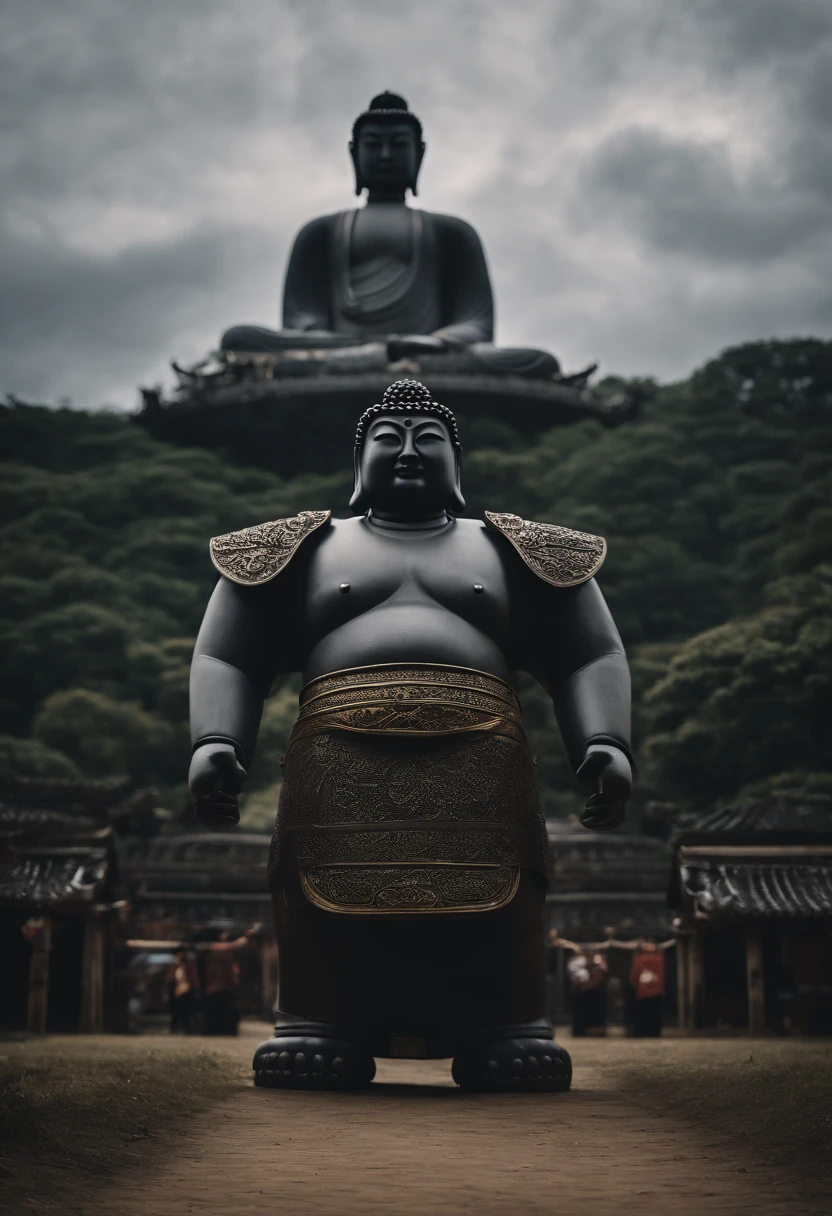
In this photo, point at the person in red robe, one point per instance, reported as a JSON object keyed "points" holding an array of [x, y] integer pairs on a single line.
{"points": [[648, 975]]}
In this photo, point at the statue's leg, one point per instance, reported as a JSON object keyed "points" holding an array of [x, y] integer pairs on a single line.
{"points": [[313, 1046], [516, 361], [512, 1048], [304, 1054], [514, 1059], [257, 339], [467, 985]]}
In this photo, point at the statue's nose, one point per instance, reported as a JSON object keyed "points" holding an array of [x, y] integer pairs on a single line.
{"points": [[408, 454]]}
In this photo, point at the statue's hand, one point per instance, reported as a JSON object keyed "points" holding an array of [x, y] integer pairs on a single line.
{"points": [[215, 779], [399, 346], [607, 772]]}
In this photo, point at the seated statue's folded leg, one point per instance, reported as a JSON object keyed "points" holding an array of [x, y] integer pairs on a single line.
{"points": [[257, 339], [516, 361]]}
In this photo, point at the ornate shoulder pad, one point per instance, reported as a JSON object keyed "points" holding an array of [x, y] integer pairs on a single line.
{"points": [[557, 555], [257, 555]]}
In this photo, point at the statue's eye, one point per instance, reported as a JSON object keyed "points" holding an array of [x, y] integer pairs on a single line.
{"points": [[433, 436], [380, 436]]}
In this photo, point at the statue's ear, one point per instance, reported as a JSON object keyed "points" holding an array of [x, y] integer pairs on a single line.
{"points": [[420, 153], [359, 180], [457, 506], [358, 502]]}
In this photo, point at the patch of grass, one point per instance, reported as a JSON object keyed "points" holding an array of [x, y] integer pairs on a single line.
{"points": [[70, 1119], [770, 1103]]}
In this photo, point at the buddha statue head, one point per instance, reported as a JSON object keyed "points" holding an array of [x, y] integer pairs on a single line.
{"points": [[387, 148], [407, 456]]}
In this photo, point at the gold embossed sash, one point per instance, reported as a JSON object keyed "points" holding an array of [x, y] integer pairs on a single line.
{"points": [[409, 789]]}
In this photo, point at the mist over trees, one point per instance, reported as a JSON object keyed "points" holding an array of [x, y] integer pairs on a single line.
{"points": [[716, 505]]}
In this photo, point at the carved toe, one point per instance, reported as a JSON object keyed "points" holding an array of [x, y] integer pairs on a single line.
{"points": [[520, 1065], [301, 1062]]}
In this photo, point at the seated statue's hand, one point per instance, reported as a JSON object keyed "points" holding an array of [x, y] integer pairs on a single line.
{"points": [[607, 772], [215, 779], [399, 346]]}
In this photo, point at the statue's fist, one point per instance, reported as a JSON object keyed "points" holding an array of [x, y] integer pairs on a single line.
{"points": [[215, 779], [607, 772]]}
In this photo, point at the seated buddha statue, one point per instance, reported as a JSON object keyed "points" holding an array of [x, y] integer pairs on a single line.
{"points": [[411, 282]]}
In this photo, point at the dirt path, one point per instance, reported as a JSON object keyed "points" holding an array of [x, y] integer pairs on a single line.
{"points": [[414, 1144]]}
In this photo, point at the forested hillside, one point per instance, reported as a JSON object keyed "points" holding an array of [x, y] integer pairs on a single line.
{"points": [[717, 506]]}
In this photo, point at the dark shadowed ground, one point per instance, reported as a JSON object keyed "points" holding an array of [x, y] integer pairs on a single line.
{"points": [[154, 1126]]}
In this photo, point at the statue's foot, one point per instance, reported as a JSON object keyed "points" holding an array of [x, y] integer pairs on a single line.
{"points": [[517, 1065], [302, 1061]]}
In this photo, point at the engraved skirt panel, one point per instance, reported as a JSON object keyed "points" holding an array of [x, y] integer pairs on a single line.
{"points": [[414, 820]]}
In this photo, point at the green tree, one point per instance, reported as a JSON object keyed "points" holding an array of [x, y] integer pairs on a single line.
{"points": [[747, 699], [104, 737]]}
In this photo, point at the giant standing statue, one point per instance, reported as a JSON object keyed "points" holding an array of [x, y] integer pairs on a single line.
{"points": [[388, 273], [408, 864]]}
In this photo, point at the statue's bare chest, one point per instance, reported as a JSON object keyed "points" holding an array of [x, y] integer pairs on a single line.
{"points": [[383, 230], [358, 569]]}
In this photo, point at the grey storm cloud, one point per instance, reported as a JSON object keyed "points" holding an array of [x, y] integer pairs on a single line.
{"points": [[651, 178]]}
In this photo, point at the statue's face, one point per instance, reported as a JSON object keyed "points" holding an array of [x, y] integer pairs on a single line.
{"points": [[408, 465], [387, 155]]}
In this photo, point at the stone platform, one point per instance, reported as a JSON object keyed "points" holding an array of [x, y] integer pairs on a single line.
{"points": [[293, 413]]}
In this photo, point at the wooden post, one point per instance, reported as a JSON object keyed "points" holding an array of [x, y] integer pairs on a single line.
{"points": [[91, 1019], [695, 981], [268, 972], [39, 979], [682, 1014], [754, 974]]}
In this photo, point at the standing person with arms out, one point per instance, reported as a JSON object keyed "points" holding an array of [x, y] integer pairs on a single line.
{"points": [[648, 975], [182, 993], [222, 977], [587, 971]]}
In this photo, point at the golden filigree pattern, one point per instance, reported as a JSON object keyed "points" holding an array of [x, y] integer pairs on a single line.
{"points": [[409, 700], [558, 555], [456, 846], [403, 889], [338, 778], [411, 680], [256, 555]]}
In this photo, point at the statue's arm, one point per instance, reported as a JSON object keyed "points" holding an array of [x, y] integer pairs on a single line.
{"points": [[576, 652], [468, 302], [306, 289], [245, 639]]}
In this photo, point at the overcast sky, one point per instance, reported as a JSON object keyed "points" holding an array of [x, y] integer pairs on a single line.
{"points": [[652, 179]]}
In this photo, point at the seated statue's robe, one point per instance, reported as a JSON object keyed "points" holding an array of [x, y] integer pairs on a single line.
{"points": [[388, 269]]}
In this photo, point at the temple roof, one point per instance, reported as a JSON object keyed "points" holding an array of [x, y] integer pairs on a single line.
{"points": [[59, 809], [583, 861], [767, 859], [39, 806], [179, 872], [601, 882], [785, 887], [49, 876], [778, 813]]}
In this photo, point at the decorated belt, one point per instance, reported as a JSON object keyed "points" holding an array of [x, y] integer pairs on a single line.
{"points": [[412, 699]]}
